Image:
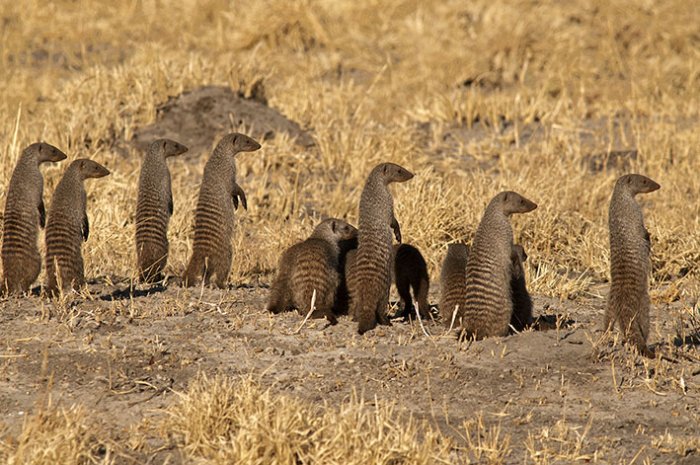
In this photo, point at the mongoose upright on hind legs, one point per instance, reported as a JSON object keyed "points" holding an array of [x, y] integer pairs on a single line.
{"points": [[311, 265], [154, 208], [67, 226], [24, 214], [628, 300], [411, 272], [488, 306], [453, 283], [522, 303], [219, 195], [372, 267]]}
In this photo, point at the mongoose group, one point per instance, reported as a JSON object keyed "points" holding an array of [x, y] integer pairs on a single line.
{"points": [[339, 269]]}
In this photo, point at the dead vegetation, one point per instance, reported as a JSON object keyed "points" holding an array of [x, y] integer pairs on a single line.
{"points": [[552, 99]]}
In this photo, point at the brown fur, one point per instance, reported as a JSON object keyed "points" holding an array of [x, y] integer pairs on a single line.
{"points": [[219, 195], [453, 282], [311, 265], [154, 208], [411, 272], [68, 226], [522, 303], [372, 267], [488, 305], [628, 300], [24, 214]]}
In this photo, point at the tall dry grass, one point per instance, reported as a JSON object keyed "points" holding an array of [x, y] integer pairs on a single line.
{"points": [[543, 86]]}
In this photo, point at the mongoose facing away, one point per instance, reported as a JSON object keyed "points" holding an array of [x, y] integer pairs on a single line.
{"points": [[372, 267], [411, 272], [24, 213], [213, 223], [628, 300], [154, 208], [453, 282], [488, 306], [311, 265], [67, 226], [522, 303]]}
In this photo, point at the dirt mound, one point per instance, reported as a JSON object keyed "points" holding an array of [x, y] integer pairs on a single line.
{"points": [[197, 118]]}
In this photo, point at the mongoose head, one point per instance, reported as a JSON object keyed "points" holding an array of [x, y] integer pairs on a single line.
{"points": [[168, 147], [512, 202], [45, 152], [237, 142], [391, 172], [90, 169], [336, 228], [637, 184]]}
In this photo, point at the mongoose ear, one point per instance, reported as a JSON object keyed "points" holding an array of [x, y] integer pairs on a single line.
{"points": [[505, 197], [384, 169], [334, 226], [165, 143]]}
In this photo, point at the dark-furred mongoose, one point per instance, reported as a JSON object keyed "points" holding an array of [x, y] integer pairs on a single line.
{"points": [[24, 214], [453, 282], [342, 299], [411, 272], [372, 267], [488, 305], [522, 303], [311, 265], [628, 300], [67, 226], [154, 208], [219, 195]]}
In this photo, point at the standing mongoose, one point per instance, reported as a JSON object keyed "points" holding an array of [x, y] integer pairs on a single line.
{"points": [[488, 306], [628, 300], [522, 303], [411, 272], [213, 223], [453, 282], [372, 267], [154, 208], [24, 213], [67, 226], [311, 265]]}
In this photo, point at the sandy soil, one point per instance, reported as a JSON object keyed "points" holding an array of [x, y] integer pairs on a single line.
{"points": [[123, 357]]}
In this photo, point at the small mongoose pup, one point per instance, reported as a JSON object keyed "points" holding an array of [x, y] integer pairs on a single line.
{"points": [[522, 303], [372, 267], [154, 208], [311, 265], [213, 223], [488, 305], [67, 226], [453, 281], [24, 213], [628, 300], [411, 272]]}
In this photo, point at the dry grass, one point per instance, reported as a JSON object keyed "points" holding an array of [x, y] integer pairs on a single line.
{"points": [[224, 421]]}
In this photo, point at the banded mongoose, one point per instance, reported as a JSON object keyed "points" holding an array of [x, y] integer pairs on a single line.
{"points": [[24, 213], [308, 266], [342, 299], [219, 195], [411, 272], [488, 306], [154, 208], [68, 226], [628, 300], [372, 267], [453, 282], [522, 303]]}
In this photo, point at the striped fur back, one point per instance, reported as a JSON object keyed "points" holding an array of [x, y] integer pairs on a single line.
{"points": [[315, 268], [372, 272], [453, 282], [488, 305], [152, 217], [64, 234], [20, 254]]}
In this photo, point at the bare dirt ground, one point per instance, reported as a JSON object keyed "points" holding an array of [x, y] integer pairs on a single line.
{"points": [[563, 391]]}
